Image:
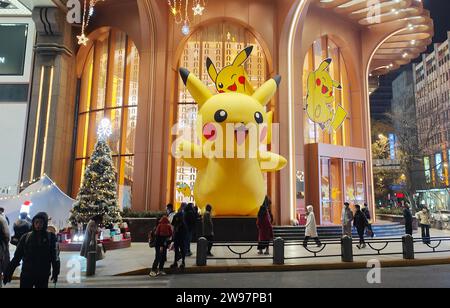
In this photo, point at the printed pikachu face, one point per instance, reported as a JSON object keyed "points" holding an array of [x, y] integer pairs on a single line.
{"points": [[232, 113], [232, 78], [321, 85]]}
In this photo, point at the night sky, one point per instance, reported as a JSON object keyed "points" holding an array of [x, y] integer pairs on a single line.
{"points": [[440, 12]]}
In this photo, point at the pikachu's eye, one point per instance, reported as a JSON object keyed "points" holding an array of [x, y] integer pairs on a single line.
{"points": [[220, 85], [259, 118], [220, 116]]}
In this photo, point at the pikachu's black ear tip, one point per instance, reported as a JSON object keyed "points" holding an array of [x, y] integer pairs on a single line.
{"points": [[339, 87], [209, 62], [328, 60], [248, 50], [277, 79], [184, 73]]}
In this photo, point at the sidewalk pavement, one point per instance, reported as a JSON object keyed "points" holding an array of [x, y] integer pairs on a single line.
{"points": [[138, 259]]}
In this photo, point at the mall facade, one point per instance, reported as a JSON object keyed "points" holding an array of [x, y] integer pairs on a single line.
{"points": [[128, 72]]}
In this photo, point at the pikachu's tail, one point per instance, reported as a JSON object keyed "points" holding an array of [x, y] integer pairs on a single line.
{"points": [[339, 118]]}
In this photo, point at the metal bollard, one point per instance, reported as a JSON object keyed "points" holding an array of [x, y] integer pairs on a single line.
{"points": [[346, 249], [202, 251], [278, 251], [408, 247], [91, 263]]}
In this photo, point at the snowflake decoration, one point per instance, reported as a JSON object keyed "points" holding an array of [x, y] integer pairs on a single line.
{"points": [[104, 130]]}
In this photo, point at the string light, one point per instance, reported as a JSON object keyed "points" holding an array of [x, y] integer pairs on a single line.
{"points": [[176, 10], [44, 188], [88, 12]]}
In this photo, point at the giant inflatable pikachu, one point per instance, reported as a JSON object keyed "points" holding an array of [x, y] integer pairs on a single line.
{"points": [[320, 97], [232, 183]]}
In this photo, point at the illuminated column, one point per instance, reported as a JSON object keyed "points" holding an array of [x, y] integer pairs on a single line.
{"points": [[51, 104]]}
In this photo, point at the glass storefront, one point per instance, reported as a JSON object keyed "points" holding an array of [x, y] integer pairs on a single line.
{"points": [[341, 181], [109, 89], [221, 43]]}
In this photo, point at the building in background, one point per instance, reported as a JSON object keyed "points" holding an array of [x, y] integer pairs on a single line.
{"points": [[17, 33], [432, 90]]}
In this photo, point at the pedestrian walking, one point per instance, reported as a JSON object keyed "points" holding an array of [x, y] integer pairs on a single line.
{"points": [[360, 223], [38, 252], [347, 218], [90, 242], [208, 228], [163, 233], [265, 229], [366, 212], [4, 248], [311, 227]]}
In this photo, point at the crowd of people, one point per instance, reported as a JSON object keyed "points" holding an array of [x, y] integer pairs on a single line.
{"points": [[37, 247]]}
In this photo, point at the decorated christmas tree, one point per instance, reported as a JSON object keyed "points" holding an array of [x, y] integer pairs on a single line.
{"points": [[98, 191]]}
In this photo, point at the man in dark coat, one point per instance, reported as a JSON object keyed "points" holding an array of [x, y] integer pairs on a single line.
{"points": [[190, 219], [360, 223], [366, 212], [179, 239], [39, 252], [407, 215], [208, 228]]}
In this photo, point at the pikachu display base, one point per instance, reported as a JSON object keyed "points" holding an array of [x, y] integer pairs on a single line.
{"points": [[232, 186]]}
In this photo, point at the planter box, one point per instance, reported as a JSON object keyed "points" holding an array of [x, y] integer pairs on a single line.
{"points": [[226, 229], [398, 219], [140, 228]]}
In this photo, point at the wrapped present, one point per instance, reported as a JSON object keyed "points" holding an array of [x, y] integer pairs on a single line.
{"points": [[127, 235], [106, 234], [117, 238]]}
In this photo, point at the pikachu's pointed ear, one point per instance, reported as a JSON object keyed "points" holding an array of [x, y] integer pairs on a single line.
{"points": [[199, 91], [243, 56], [212, 71], [337, 84], [265, 93], [324, 65]]}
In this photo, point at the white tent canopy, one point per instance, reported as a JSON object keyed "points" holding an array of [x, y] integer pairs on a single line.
{"points": [[45, 196]]}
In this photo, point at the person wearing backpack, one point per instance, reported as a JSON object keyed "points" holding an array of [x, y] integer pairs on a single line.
{"points": [[161, 238], [4, 247], [38, 251]]}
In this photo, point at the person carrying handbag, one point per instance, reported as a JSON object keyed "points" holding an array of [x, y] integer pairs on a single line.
{"points": [[160, 240]]}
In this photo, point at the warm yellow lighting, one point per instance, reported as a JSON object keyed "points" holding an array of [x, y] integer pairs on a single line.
{"points": [[49, 106], [36, 129]]}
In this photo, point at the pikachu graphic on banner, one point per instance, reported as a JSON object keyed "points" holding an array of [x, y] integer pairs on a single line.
{"points": [[320, 98]]}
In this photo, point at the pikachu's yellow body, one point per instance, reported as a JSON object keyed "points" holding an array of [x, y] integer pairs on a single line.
{"points": [[229, 164], [320, 97], [232, 78]]}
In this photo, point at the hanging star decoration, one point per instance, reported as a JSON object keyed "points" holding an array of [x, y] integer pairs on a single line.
{"points": [[198, 10], [82, 39]]}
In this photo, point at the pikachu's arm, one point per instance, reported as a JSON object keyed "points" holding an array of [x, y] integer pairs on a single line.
{"points": [[270, 162], [191, 154]]}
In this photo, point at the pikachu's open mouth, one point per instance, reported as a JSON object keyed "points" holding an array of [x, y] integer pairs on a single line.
{"points": [[241, 133]]}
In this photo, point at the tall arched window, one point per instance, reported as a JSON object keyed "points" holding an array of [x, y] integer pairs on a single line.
{"points": [[109, 89], [221, 43], [322, 49]]}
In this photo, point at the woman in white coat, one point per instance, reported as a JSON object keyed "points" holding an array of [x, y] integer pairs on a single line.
{"points": [[311, 227]]}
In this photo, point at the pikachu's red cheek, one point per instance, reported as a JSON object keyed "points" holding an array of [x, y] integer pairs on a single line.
{"points": [[242, 80]]}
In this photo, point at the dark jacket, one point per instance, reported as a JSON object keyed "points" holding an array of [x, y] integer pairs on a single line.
{"points": [[407, 215], [179, 228], [366, 212], [208, 229], [265, 229], [360, 220], [38, 251], [190, 218]]}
